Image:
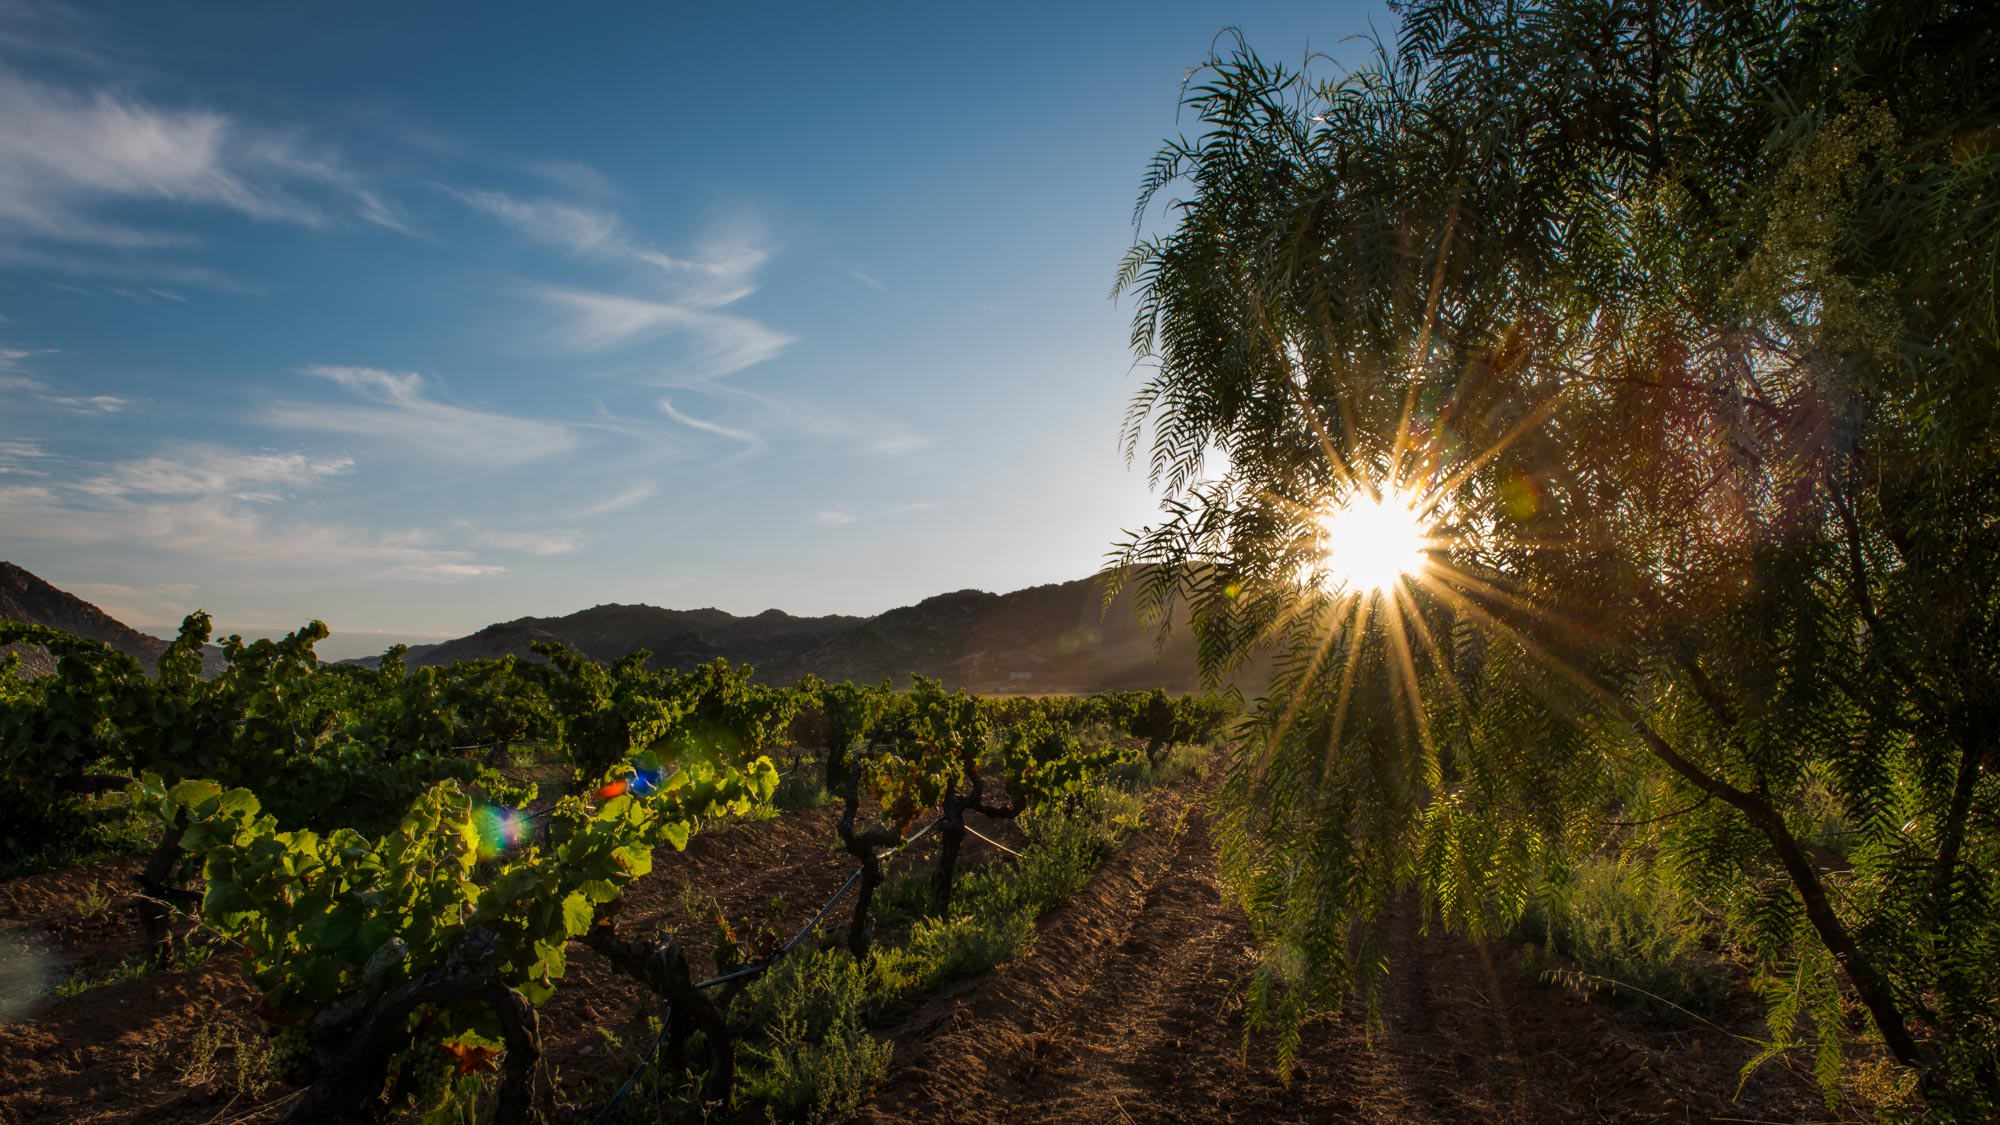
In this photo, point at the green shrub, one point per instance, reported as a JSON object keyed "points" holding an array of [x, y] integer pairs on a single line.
{"points": [[1631, 928], [815, 1060]]}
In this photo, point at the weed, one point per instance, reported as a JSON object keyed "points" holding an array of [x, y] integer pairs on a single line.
{"points": [[95, 903], [250, 1069], [255, 1066], [816, 1060], [198, 1065], [83, 980], [1177, 762], [697, 904]]}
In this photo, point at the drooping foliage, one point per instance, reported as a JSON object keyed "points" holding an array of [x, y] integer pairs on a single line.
{"points": [[1681, 321]]}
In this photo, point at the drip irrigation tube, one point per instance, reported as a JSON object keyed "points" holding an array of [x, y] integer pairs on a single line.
{"points": [[983, 836]]}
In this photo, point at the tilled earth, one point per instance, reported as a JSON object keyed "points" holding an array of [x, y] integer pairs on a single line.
{"points": [[1128, 1009]]}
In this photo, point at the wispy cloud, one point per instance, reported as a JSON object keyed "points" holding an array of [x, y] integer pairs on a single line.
{"points": [[717, 343], [139, 605], [750, 441], [396, 407], [543, 544], [12, 381], [845, 514], [893, 440], [23, 459], [83, 264], [187, 501], [653, 295], [721, 270], [207, 470], [573, 227], [70, 156], [865, 278], [840, 430], [618, 502], [88, 404]]}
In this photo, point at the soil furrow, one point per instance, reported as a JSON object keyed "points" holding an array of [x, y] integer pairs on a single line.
{"points": [[1129, 1009]]}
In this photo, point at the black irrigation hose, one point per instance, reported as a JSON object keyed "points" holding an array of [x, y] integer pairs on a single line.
{"points": [[751, 970]]}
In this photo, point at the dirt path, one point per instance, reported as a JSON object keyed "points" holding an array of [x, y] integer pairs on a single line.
{"points": [[1129, 1010]]}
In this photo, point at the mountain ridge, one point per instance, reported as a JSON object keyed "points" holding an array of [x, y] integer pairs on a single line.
{"points": [[27, 597], [1054, 638]]}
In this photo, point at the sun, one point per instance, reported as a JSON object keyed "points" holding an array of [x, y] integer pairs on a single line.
{"points": [[1372, 539]]}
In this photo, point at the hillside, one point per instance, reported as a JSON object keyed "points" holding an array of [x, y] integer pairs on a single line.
{"points": [[1053, 638], [25, 597]]}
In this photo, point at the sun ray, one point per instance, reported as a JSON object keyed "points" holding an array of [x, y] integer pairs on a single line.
{"points": [[1346, 694], [1313, 666], [1423, 341], [1433, 581], [1405, 670], [1529, 421]]}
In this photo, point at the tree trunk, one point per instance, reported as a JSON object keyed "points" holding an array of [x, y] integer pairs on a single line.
{"points": [[1870, 986], [1952, 833]]}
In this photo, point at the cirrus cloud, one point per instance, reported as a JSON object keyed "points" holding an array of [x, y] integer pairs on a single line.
{"points": [[397, 407]]}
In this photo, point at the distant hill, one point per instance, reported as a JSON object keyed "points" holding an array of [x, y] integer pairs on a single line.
{"points": [[24, 597], [1045, 639], [1055, 638]]}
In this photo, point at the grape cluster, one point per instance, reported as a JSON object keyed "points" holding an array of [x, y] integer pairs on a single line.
{"points": [[291, 1054]]}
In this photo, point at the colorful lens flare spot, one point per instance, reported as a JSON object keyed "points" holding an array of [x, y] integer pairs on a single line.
{"points": [[500, 829], [645, 779]]}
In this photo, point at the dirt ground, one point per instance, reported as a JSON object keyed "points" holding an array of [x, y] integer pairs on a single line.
{"points": [[1126, 1010]]}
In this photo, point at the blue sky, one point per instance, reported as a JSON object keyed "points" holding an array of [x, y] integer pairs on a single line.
{"points": [[414, 318]]}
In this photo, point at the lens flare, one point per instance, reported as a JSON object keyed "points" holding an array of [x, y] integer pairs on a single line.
{"points": [[646, 778], [500, 829], [1372, 540]]}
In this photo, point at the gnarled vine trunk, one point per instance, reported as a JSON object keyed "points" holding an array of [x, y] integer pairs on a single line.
{"points": [[354, 1040], [664, 969]]}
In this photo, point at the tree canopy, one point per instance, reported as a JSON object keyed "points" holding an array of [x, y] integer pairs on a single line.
{"points": [[1677, 327]]}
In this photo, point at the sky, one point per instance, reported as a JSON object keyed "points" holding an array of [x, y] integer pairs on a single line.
{"points": [[414, 318]]}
